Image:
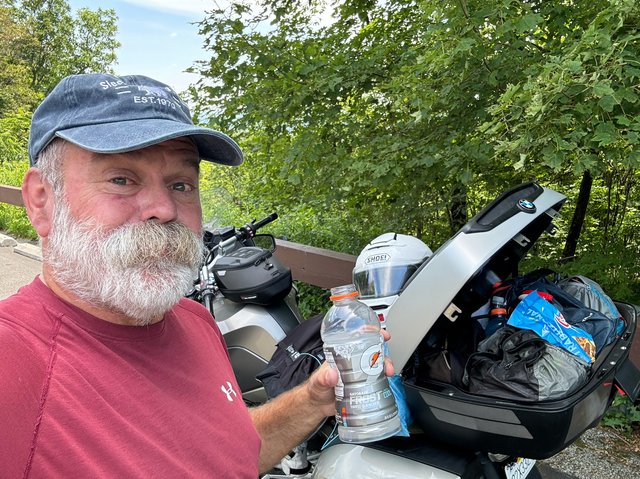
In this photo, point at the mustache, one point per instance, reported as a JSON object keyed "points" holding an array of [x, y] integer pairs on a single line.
{"points": [[149, 243]]}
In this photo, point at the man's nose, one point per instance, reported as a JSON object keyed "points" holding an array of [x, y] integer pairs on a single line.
{"points": [[157, 203]]}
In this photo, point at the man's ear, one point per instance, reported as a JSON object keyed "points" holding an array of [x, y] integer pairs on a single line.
{"points": [[37, 195]]}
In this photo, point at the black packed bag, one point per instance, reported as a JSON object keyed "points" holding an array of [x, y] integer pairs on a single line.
{"points": [[591, 294], [517, 364], [295, 358], [602, 329], [538, 280], [444, 352]]}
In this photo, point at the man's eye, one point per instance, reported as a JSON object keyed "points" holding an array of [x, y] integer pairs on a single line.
{"points": [[184, 187], [120, 180]]}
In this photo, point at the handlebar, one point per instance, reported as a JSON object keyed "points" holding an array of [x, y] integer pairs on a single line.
{"points": [[224, 237], [265, 221], [216, 243], [249, 230]]}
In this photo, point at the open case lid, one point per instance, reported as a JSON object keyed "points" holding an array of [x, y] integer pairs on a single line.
{"points": [[457, 279]]}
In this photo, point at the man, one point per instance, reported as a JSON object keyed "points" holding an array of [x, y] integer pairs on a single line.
{"points": [[107, 371]]}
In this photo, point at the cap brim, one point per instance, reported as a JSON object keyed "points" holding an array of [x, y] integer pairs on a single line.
{"points": [[124, 136]]}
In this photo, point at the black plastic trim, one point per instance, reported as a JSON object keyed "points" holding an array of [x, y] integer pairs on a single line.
{"points": [[504, 207]]}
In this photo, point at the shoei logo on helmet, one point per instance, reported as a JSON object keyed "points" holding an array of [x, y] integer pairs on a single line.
{"points": [[526, 206], [377, 258]]}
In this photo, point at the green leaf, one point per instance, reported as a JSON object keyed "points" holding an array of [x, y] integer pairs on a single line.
{"points": [[465, 44], [574, 66], [519, 165], [602, 88], [511, 90], [294, 179], [623, 120], [528, 22], [605, 134], [466, 176], [632, 160], [552, 158], [564, 145], [627, 94], [633, 72], [607, 103], [585, 163], [633, 137]]}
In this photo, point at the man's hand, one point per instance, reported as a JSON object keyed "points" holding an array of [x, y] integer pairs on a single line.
{"points": [[288, 419], [322, 382]]}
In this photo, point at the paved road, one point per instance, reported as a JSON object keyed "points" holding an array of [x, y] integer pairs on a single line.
{"points": [[16, 270], [590, 461]]}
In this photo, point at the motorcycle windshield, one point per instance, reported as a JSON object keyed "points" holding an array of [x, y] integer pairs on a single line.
{"points": [[382, 281]]}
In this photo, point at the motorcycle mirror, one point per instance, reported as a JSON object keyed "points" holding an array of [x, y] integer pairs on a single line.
{"points": [[265, 241]]}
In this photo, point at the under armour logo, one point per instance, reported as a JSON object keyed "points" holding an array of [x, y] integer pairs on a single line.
{"points": [[228, 391]]}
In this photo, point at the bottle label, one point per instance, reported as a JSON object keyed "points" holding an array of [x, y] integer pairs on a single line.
{"points": [[363, 395], [372, 360]]}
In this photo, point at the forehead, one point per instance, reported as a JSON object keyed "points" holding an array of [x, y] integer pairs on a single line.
{"points": [[174, 154]]}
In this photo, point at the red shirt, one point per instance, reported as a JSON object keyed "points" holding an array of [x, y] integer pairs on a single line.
{"points": [[82, 397]]}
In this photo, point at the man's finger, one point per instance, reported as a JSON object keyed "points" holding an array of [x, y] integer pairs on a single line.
{"points": [[389, 370]]}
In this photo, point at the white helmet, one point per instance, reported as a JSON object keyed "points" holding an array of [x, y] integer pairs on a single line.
{"points": [[384, 266]]}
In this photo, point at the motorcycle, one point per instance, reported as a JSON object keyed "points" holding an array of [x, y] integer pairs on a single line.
{"points": [[455, 434], [251, 296]]}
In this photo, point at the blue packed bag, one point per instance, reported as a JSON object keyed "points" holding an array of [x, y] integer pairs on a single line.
{"points": [[539, 315], [396, 383]]}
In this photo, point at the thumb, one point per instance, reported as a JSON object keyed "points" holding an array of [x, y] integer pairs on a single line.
{"points": [[320, 388], [327, 376]]}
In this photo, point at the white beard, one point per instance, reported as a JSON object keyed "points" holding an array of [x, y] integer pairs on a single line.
{"points": [[140, 270]]}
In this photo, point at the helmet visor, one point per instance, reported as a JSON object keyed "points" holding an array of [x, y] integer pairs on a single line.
{"points": [[382, 281]]}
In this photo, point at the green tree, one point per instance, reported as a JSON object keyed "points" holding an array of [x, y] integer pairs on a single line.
{"points": [[40, 42], [94, 41], [60, 44], [579, 116], [375, 113], [410, 115], [15, 91]]}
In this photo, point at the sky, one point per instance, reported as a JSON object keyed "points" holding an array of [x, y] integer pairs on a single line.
{"points": [[159, 38]]}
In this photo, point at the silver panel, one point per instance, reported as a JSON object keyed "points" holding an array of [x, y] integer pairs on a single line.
{"points": [[432, 290], [252, 315], [349, 461]]}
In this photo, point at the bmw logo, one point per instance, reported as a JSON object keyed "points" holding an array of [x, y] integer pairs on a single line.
{"points": [[526, 206]]}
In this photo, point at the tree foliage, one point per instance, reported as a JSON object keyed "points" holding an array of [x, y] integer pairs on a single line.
{"points": [[60, 44], [410, 115], [15, 90], [41, 41], [377, 105]]}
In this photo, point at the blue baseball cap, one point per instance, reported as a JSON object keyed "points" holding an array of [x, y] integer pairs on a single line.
{"points": [[116, 114]]}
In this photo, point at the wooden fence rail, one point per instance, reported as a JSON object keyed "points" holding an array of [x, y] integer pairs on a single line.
{"points": [[11, 195], [316, 266]]}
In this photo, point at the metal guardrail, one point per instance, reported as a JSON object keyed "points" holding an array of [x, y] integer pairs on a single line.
{"points": [[311, 265]]}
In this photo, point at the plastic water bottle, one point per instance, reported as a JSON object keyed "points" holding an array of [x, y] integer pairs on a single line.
{"points": [[365, 405], [497, 315]]}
